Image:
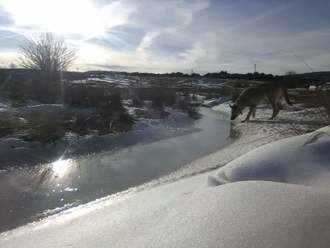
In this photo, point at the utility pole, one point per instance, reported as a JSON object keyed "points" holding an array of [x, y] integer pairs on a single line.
{"points": [[255, 68]]}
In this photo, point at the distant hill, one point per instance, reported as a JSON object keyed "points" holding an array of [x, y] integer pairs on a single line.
{"points": [[23, 74], [323, 76]]}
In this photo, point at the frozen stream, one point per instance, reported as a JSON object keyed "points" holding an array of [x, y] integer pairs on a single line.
{"points": [[132, 159]]}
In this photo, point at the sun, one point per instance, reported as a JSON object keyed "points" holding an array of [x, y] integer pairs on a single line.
{"points": [[57, 16]]}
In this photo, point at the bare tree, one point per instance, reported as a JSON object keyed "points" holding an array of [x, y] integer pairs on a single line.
{"points": [[47, 52], [50, 55]]}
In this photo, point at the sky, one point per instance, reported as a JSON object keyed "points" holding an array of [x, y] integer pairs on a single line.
{"points": [[176, 35]]}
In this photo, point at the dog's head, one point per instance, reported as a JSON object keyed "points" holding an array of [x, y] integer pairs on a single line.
{"points": [[236, 110]]}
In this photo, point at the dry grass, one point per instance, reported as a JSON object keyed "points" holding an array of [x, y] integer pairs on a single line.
{"points": [[318, 102]]}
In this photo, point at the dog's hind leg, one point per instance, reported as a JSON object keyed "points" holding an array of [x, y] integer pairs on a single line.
{"points": [[286, 97], [249, 114], [275, 107], [254, 112], [277, 110]]}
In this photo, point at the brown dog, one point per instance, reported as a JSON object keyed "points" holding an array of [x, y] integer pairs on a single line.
{"points": [[252, 96]]}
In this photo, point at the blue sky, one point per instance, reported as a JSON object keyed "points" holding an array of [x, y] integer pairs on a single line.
{"points": [[176, 35]]}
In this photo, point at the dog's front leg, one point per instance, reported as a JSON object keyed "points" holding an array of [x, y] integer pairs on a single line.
{"points": [[254, 112], [248, 115]]}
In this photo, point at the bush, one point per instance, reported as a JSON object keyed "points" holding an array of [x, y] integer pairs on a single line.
{"points": [[324, 98], [319, 102], [7, 127], [45, 130], [16, 93]]}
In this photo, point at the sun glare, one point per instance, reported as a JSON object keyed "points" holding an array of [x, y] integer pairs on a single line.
{"points": [[61, 167], [60, 16]]}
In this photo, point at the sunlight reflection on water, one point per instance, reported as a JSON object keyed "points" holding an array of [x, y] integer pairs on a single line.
{"points": [[61, 166]]}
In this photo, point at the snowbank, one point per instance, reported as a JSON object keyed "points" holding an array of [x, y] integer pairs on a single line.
{"points": [[52, 109], [223, 108], [3, 107], [245, 214], [216, 101], [301, 160]]}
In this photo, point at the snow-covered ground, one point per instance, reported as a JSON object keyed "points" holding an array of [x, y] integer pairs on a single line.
{"points": [[302, 160], [216, 101], [274, 196], [185, 214], [250, 135], [52, 109]]}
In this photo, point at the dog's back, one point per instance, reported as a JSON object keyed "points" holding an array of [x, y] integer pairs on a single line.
{"points": [[254, 95]]}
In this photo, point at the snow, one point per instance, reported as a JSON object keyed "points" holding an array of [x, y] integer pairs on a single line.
{"points": [[52, 109], [300, 160], [244, 214], [216, 101], [3, 107], [223, 108], [43, 108]]}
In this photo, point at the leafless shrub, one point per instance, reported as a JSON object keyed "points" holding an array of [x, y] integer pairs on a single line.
{"points": [[47, 52], [49, 55]]}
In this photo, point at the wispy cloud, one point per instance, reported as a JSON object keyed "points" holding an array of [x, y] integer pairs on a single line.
{"points": [[180, 35], [5, 18]]}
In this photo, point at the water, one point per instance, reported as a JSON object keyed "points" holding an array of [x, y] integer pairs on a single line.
{"points": [[130, 159]]}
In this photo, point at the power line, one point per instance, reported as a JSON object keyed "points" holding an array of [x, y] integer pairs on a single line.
{"points": [[305, 63]]}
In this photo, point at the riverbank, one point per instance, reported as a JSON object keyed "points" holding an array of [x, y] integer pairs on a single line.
{"points": [[247, 136]]}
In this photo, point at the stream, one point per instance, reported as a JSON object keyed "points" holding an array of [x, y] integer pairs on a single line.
{"points": [[114, 163]]}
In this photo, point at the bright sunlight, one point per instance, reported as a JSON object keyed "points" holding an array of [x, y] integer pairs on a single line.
{"points": [[60, 16], [61, 167]]}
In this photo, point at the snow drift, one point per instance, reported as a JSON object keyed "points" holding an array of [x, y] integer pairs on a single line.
{"points": [[302, 160], [245, 214], [223, 108]]}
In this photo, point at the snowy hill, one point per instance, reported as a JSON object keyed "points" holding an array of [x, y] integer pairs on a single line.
{"points": [[300, 160]]}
